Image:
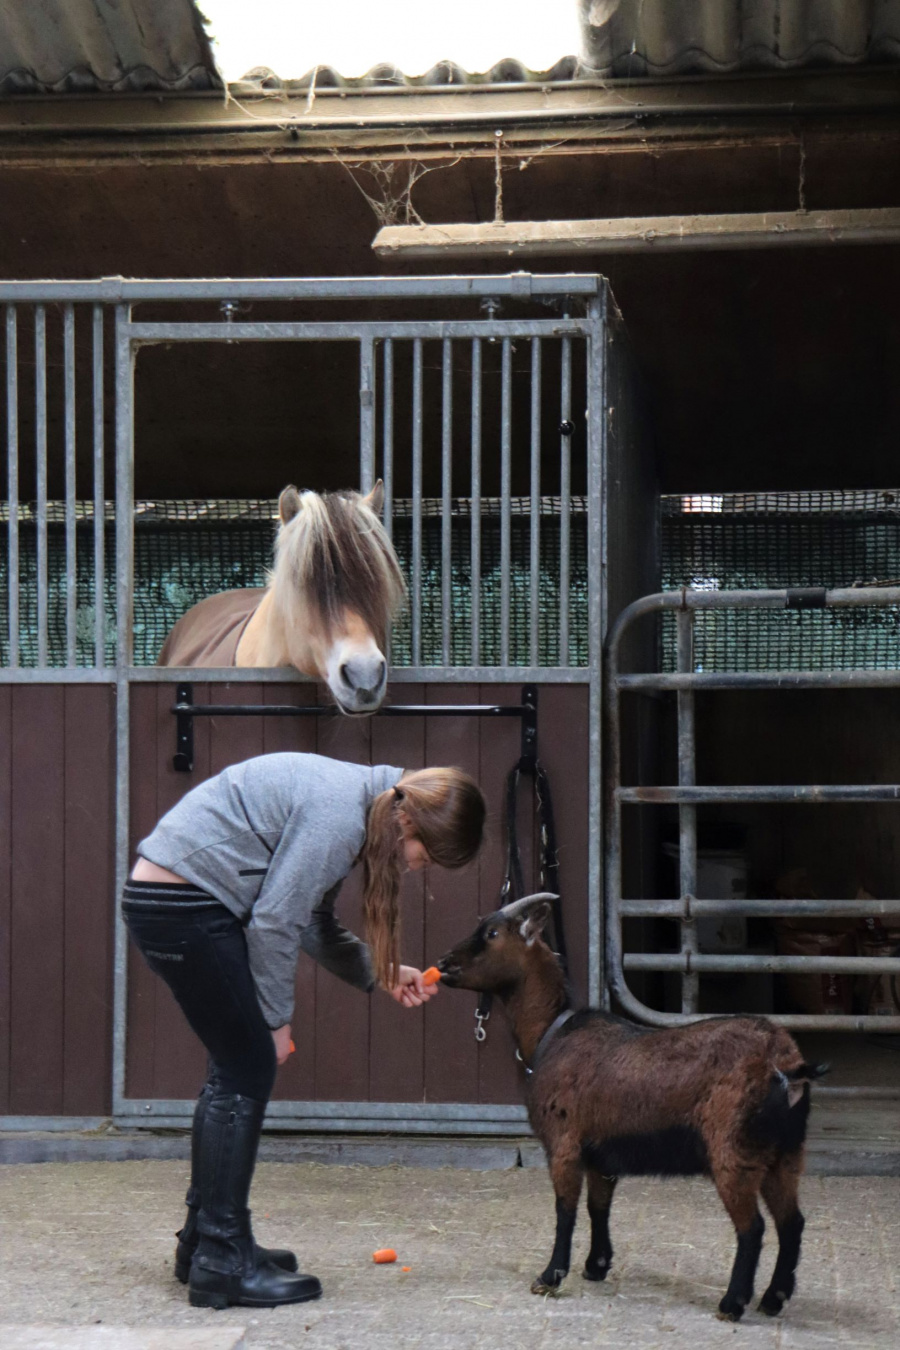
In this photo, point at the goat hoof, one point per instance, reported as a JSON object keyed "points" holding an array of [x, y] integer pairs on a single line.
{"points": [[545, 1284], [730, 1309], [596, 1272], [772, 1302]]}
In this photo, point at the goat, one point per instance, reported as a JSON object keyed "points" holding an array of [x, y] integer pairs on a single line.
{"points": [[727, 1097]]}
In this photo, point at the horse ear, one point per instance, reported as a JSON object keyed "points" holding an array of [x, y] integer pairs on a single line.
{"points": [[288, 504], [375, 499]]}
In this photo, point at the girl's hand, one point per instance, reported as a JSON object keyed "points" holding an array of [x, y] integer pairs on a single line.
{"points": [[411, 991], [282, 1039]]}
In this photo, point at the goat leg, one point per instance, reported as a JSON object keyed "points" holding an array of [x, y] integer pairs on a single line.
{"points": [[600, 1194], [779, 1190], [567, 1175]]}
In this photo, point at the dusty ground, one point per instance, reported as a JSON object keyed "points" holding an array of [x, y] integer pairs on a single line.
{"points": [[88, 1242]]}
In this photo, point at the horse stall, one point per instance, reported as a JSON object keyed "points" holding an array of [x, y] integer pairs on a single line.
{"points": [[501, 414]]}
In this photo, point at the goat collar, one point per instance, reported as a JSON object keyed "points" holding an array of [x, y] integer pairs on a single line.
{"points": [[547, 1037]]}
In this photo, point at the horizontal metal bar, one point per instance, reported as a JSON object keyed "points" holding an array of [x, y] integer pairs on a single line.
{"points": [[148, 333], [56, 675], [325, 710], [688, 962], [426, 1112], [698, 909], [397, 675], [118, 289], [765, 679], [46, 1124], [795, 792], [864, 1092], [337, 1124]]}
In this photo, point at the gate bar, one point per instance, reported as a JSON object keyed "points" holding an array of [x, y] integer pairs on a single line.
{"points": [[12, 480], [69, 406], [186, 710], [687, 795], [40, 454]]}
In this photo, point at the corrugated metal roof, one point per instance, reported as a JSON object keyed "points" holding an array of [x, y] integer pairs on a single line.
{"points": [[628, 39], [76, 46]]}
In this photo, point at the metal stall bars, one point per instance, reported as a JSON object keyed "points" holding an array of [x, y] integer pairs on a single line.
{"points": [[64, 649], [689, 962]]}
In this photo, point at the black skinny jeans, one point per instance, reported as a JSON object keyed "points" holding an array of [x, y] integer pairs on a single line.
{"points": [[198, 947]]}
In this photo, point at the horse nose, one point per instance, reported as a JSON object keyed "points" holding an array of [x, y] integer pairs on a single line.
{"points": [[365, 678]]}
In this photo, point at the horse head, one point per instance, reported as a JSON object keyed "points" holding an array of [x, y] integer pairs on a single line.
{"points": [[336, 588]]}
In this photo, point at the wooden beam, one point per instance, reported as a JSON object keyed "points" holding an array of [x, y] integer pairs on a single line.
{"points": [[629, 234]]}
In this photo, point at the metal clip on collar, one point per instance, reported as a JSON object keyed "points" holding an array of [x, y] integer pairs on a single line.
{"points": [[481, 1016]]}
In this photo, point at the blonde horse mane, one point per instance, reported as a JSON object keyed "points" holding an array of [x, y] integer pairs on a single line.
{"points": [[332, 555]]}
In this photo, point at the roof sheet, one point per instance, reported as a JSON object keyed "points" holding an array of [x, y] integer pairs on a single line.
{"points": [[75, 46]]}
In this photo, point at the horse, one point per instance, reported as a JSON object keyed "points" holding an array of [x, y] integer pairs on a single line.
{"points": [[331, 597]]}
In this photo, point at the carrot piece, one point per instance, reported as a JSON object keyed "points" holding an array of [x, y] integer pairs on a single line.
{"points": [[406, 1269], [384, 1257], [292, 1049], [431, 975]]}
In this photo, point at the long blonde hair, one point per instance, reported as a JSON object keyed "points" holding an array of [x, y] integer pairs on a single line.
{"points": [[446, 811]]}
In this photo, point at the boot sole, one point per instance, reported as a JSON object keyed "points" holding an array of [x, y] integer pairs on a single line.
{"points": [[219, 1302]]}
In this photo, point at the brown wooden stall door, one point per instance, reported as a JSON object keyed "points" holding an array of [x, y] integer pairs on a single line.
{"points": [[56, 831]]}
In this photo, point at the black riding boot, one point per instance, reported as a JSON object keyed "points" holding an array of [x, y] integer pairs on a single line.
{"points": [[189, 1236], [226, 1268]]}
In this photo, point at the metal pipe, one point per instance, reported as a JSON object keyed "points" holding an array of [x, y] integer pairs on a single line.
{"points": [[366, 415], [505, 509], [40, 454], [99, 496], [150, 333], [71, 557], [800, 792], [565, 497], [388, 415], [324, 710], [416, 597], [534, 590], [687, 815], [446, 503], [12, 481], [762, 679], [118, 290], [791, 965], [475, 488], [597, 457], [836, 909]]}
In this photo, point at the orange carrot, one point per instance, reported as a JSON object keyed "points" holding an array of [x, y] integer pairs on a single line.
{"points": [[431, 975], [406, 1269], [384, 1257], [292, 1049]]}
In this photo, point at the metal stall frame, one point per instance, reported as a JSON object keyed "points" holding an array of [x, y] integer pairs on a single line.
{"points": [[687, 795], [583, 291]]}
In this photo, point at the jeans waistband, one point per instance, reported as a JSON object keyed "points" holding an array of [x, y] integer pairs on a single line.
{"points": [[150, 894]]}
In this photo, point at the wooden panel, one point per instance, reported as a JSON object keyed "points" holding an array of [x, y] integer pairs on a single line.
{"points": [[89, 897], [563, 751], [396, 1069], [38, 916], [342, 1013], [5, 891], [500, 1076], [179, 1060], [296, 1079], [451, 1058]]}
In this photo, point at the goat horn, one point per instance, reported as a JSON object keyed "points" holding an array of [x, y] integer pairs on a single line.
{"points": [[517, 909]]}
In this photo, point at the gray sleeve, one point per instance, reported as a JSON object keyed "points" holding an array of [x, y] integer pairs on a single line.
{"points": [[337, 949], [310, 859]]}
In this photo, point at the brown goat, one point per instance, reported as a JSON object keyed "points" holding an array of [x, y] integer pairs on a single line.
{"points": [[726, 1097]]}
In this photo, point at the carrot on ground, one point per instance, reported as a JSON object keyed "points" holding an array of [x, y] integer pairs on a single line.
{"points": [[431, 975], [384, 1256]]}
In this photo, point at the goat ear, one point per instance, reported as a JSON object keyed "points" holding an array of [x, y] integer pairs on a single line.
{"points": [[374, 500], [288, 504], [535, 922]]}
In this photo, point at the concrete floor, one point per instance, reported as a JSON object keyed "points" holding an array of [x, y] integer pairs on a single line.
{"points": [[90, 1244]]}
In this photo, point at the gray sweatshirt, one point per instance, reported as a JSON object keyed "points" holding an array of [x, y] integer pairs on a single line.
{"points": [[272, 839]]}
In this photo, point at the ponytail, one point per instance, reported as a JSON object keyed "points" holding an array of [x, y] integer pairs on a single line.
{"points": [[446, 811]]}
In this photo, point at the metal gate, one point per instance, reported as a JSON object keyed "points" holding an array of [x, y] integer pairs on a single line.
{"points": [[577, 334], [689, 962]]}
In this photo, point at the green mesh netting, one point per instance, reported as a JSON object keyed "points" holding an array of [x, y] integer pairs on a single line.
{"points": [[185, 551], [775, 540]]}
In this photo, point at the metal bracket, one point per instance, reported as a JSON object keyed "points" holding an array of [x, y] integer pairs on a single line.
{"points": [[186, 710]]}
